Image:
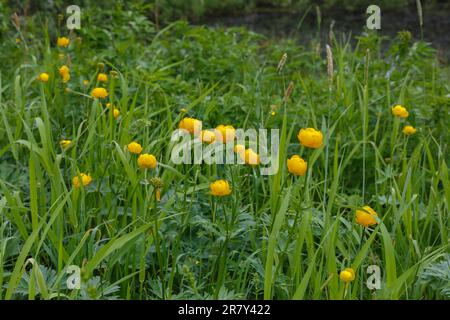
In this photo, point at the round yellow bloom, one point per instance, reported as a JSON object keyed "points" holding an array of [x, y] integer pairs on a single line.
{"points": [[409, 130], [63, 70], [147, 161], [66, 77], [347, 275], [43, 77], [226, 133], [116, 113], [85, 83], [239, 148], [400, 111], [102, 77], [250, 157], [63, 42], [85, 180], [310, 138], [207, 136], [190, 124], [65, 144], [366, 216], [134, 147], [296, 165], [99, 93], [220, 188]]}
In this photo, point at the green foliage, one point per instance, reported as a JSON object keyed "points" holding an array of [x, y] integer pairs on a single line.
{"points": [[280, 237]]}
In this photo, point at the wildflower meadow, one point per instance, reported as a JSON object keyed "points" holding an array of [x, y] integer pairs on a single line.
{"points": [[145, 158]]}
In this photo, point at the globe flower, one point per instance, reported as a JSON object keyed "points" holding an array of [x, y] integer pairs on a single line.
{"points": [[220, 188], [99, 93], [116, 113], [227, 133], [63, 70], [400, 111], [250, 157], [310, 138], [63, 42], [85, 82], [43, 77], [347, 275], [297, 166], [134, 147], [102, 77], [85, 180], [147, 161], [65, 144], [190, 124], [366, 216], [409, 130], [207, 136]]}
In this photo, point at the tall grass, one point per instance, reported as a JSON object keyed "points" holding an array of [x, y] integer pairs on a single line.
{"points": [[274, 237]]}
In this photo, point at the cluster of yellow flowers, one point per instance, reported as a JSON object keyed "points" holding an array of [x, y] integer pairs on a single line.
{"points": [[400, 111], [310, 138], [83, 179], [145, 160]]}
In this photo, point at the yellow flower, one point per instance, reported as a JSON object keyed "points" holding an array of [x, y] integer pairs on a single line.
{"points": [[310, 138], [409, 130], [250, 157], [227, 133], [43, 77], [400, 111], [65, 144], [64, 73], [220, 188], [18, 40], [99, 93], [63, 70], [366, 216], [102, 77], [85, 180], [66, 78], [116, 113], [63, 42], [190, 124], [347, 275], [297, 166], [134, 147], [239, 148], [85, 83], [147, 161], [207, 136]]}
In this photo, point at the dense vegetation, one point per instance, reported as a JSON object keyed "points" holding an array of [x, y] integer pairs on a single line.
{"points": [[159, 233]]}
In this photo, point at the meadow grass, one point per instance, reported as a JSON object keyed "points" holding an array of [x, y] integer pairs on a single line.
{"points": [[273, 237]]}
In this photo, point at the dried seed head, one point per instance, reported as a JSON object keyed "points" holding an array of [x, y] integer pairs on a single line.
{"points": [[288, 91], [330, 68], [16, 20], [282, 62]]}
